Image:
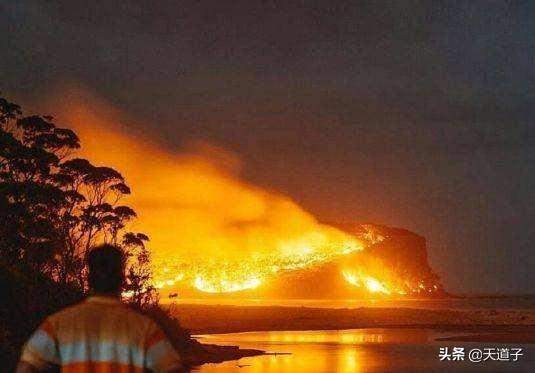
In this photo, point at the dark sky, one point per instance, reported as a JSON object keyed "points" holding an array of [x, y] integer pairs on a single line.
{"points": [[406, 113]]}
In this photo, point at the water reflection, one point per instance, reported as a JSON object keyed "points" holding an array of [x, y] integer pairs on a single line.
{"points": [[302, 359], [348, 361], [362, 350], [342, 337], [311, 351]]}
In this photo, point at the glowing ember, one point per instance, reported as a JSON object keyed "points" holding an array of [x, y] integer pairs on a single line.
{"points": [[226, 275], [225, 286], [371, 284], [169, 282], [375, 286]]}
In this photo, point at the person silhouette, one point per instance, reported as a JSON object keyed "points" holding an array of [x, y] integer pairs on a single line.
{"points": [[100, 334]]}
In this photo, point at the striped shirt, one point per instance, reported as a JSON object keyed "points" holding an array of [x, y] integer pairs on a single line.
{"points": [[100, 335]]}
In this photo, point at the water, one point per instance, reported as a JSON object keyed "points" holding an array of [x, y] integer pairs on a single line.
{"points": [[359, 350]]}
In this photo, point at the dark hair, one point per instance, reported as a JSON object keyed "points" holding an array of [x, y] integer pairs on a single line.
{"points": [[106, 269]]}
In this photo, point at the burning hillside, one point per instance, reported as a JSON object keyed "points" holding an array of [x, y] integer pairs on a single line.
{"points": [[213, 233], [393, 263]]}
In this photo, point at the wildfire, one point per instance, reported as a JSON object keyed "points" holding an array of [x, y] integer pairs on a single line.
{"points": [[225, 286], [226, 275], [370, 283], [210, 230]]}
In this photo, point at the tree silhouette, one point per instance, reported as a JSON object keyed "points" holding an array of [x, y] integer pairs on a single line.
{"points": [[138, 272], [54, 207]]}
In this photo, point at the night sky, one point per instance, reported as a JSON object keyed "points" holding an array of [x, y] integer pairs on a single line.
{"points": [[407, 113]]}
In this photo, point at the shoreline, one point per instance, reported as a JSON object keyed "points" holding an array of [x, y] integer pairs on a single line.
{"points": [[473, 325], [201, 353], [515, 326], [496, 334]]}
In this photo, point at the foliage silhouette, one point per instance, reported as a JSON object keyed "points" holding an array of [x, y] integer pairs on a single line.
{"points": [[55, 206]]}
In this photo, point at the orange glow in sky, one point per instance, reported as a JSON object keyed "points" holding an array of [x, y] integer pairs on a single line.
{"points": [[207, 227]]}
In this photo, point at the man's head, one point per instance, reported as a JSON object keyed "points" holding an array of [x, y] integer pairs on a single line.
{"points": [[106, 269]]}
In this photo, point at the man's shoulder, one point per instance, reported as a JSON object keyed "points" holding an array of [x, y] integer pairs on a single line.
{"points": [[93, 306], [67, 311]]}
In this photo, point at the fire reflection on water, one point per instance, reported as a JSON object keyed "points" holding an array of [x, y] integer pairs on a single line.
{"points": [[315, 351]]}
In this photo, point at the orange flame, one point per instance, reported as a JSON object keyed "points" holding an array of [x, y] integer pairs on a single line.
{"points": [[209, 229], [370, 283]]}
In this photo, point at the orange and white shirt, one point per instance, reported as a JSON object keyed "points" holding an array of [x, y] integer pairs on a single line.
{"points": [[100, 335]]}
